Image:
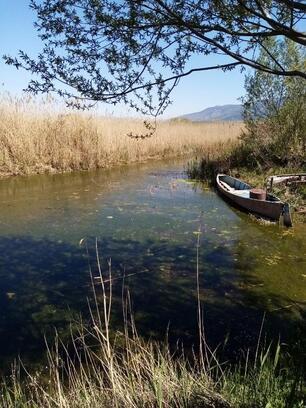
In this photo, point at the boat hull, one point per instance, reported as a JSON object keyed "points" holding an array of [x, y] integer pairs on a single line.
{"points": [[264, 208]]}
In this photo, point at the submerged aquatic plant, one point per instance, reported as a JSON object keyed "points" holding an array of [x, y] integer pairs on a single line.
{"points": [[104, 369]]}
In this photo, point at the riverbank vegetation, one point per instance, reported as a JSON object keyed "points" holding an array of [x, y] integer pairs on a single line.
{"points": [[274, 138], [34, 138], [104, 369], [144, 374]]}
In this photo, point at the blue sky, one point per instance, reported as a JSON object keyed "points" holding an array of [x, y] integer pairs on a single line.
{"points": [[194, 93]]}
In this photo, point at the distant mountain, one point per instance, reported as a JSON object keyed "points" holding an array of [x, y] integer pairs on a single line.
{"points": [[215, 113]]}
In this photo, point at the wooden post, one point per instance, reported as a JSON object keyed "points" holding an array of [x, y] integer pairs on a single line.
{"points": [[286, 216]]}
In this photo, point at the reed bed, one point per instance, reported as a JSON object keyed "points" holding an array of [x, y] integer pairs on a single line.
{"points": [[38, 138]]}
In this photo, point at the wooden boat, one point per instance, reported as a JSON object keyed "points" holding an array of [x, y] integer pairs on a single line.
{"points": [[241, 194]]}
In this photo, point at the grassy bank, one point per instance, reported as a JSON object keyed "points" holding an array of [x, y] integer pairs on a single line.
{"points": [[229, 159], [35, 138], [140, 374], [101, 369]]}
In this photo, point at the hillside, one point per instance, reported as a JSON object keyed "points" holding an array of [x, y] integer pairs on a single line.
{"points": [[216, 113]]}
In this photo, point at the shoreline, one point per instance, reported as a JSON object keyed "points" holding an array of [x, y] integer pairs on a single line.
{"points": [[110, 166], [206, 169]]}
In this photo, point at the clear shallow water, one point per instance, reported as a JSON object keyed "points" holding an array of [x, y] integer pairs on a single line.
{"points": [[146, 219]]}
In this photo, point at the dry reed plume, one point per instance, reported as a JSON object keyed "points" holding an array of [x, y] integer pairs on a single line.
{"points": [[35, 138]]}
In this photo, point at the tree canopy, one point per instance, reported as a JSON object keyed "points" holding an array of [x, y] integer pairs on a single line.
{"points": [[136, 51], [274, 111]]}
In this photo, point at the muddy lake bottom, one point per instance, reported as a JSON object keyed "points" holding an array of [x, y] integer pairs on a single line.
{"points": [[146, 221]]}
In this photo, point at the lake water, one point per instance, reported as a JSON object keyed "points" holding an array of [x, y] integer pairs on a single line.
{"points": [[146, 219]]}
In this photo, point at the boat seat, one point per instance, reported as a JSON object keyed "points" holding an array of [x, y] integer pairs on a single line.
{"points": [[227, 187], [242, 193]]}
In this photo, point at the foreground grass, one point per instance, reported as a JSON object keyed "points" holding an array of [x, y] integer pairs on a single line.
{"points": [[34, 138], [104, 370], [139, 374]]}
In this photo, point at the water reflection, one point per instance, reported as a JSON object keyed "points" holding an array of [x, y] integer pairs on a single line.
{"points": [[146, 221]]}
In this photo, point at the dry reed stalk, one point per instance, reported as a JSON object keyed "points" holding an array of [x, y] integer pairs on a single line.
{"points": [[126, 371], [112, 371], [35, 139]]}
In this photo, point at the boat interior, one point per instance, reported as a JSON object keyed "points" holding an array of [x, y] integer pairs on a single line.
{"points": [[240, 188], [233, 185]]}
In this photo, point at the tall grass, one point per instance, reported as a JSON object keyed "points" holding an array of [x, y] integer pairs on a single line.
{"points": [[101, 369], [215, 159], [36, 138]]}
